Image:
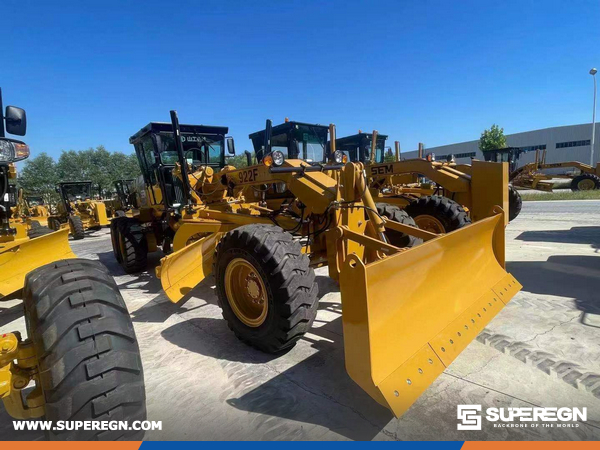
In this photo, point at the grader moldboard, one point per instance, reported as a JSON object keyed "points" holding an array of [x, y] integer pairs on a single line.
{"points": [[402, 325], [80, 352], [530, 176], [459, 193], [77, 210]]}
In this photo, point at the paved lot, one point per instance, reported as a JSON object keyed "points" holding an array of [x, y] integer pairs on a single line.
{"points": [[543, 349]]}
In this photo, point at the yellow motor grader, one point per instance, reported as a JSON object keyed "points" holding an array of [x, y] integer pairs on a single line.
{"points": [[402, 325], [531, 175], [123, 201], [76, 209], [30, 214], [453, 195], [80, 355]]}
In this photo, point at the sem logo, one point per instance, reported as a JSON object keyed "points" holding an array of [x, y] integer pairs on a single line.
{"points": [[469, 416]]}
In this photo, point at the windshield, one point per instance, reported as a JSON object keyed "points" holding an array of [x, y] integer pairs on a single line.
{"points": [[362, 152], [198, 149], [35, 201], [311, 143], [73, 192]]}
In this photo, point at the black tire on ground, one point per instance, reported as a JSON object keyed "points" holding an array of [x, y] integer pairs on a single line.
{"points": [[38, 231], [53, 224], [515, 203], [34, 224], [447, 213], [588, 178], [89, 360], [114, 238], [396, 238], [133, 246], [289, 281], [76, 226], [120, 213]]}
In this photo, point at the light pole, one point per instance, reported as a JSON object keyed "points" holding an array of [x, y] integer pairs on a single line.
{"points": [[593, 74]]}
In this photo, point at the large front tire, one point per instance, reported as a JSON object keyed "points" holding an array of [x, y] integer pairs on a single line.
{"points": [[88, 356], [132, 245], [515, 203], [437, 214], [76, 226], [265, 286], [396, 214]]}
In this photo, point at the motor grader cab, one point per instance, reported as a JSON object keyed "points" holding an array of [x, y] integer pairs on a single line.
{"points": [[263, 261], [451, 198], [80, 344], [77, 210], [530, 176], [123, 200]]}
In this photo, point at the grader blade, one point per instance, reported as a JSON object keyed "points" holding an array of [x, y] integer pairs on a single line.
{"points": [[408, 316], [184, 269], [19, 257]]}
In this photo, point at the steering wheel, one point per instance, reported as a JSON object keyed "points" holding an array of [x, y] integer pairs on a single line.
{"points": [[190, 154]]}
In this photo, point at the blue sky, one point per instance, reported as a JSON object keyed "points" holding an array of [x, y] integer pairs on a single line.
{"points": [[91, 73]]}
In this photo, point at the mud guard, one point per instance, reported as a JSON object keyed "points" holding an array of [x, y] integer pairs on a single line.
{"points": [[21, 256], [408, 316]]}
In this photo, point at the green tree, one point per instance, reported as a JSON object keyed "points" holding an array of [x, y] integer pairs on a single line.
{"points": [[39, 177], [239, 161], [492, 139]]}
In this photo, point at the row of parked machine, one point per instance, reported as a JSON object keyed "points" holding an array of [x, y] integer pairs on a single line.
{"points": [[390, 232]]}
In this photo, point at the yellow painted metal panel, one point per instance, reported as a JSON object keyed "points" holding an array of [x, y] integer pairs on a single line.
{"points": [[397, 307], [21, 257]]}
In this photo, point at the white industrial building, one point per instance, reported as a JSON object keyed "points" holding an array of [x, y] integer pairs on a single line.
{"points": [[568, 143]]}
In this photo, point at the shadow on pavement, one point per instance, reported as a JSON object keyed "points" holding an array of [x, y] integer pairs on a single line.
{"points": [[569, 276], [576, 235], [316, 390]]}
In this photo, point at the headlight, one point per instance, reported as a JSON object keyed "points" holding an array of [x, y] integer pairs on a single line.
{"points": [[13, 151], [339, 157], [431, 157], [278, 158]]}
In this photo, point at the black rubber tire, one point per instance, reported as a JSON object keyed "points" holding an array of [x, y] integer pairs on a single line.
{"points": [[449, 213], [34, 224], [53, 224], [132, 239], [515, 203], [396, 238], [585, 176], [76, 226], [89, 359], [114, 238], [288, 278], [120, 213], [38, 231]]}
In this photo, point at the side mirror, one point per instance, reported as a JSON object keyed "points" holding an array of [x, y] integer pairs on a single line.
{"points": [[230, 146], [16, 121]]}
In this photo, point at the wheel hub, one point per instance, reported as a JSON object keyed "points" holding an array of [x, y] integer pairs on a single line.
{"points": [[246, 292], [430, 223], [586, 185]]}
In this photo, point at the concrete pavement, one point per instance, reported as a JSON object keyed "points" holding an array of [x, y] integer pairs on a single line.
{"points": [[541, 350]]}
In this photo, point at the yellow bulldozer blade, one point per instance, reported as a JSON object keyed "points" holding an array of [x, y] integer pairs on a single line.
{"points": [[19, 257], [408, 316], [184, 269]]}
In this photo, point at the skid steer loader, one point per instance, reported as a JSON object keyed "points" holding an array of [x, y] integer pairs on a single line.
{"points": [[401, 328], [76, 209], [452, 197], [80, 356], [530, 176]]}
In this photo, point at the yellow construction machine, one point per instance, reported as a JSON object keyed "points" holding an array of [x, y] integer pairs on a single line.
{"points": [[123, 201], [76, 209], [80, 354], [439, 196], [407, 312], [531, 175]]}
